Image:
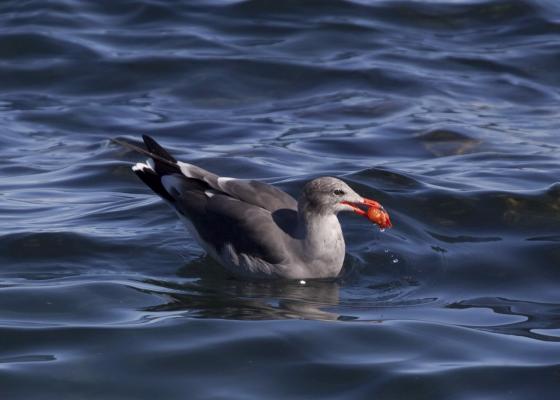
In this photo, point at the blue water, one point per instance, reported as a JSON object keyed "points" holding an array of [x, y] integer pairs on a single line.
{"points": [[447, 112]]}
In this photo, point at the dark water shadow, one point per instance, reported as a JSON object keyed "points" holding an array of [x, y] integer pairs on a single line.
{"points": [[228, 298]]}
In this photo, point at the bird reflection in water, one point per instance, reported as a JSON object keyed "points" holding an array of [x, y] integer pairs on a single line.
{"points": [[210, 294]]}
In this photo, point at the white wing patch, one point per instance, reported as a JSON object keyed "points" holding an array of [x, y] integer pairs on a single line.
{"points": [[142, 166]]}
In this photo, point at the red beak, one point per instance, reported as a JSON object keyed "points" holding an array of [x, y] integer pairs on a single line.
{"points": [[374, 212]]}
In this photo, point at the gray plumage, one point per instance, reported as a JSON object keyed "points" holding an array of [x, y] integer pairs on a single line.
{"points": [[253, 229]]}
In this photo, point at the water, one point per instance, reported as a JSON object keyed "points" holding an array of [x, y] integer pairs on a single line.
{"points": [[444, 111]]}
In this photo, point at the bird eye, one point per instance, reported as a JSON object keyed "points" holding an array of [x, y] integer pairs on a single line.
{"points": [[339, 192]]}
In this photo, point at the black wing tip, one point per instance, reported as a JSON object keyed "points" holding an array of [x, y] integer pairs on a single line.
{"points": [[163, 161], [148, 140], [156, 148]]}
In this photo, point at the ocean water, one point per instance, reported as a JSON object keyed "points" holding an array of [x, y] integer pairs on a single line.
{"points": [[447, 112]]}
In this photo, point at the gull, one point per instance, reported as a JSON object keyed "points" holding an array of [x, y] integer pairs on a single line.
{"points": [[253, 229]]}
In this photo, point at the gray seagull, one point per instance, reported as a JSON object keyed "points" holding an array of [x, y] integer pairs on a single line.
{"points": [[253, 229]]}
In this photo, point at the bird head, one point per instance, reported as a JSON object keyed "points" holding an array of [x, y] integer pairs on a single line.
{"points": [[329, 195]]}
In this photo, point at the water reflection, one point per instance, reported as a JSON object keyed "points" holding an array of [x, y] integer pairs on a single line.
{"points": [[205, 291], [234, 299]]}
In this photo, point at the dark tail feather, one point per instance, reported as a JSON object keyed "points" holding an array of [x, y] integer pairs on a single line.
{"points": [[153, 180], [155, 148], [161, 167], [163, 163]]}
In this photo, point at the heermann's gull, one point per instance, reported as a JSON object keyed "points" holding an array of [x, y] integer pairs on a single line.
{"points": [[254, 229]]}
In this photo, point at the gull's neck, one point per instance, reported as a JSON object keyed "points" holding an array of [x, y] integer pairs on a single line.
{"points": [[321, 231]]}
